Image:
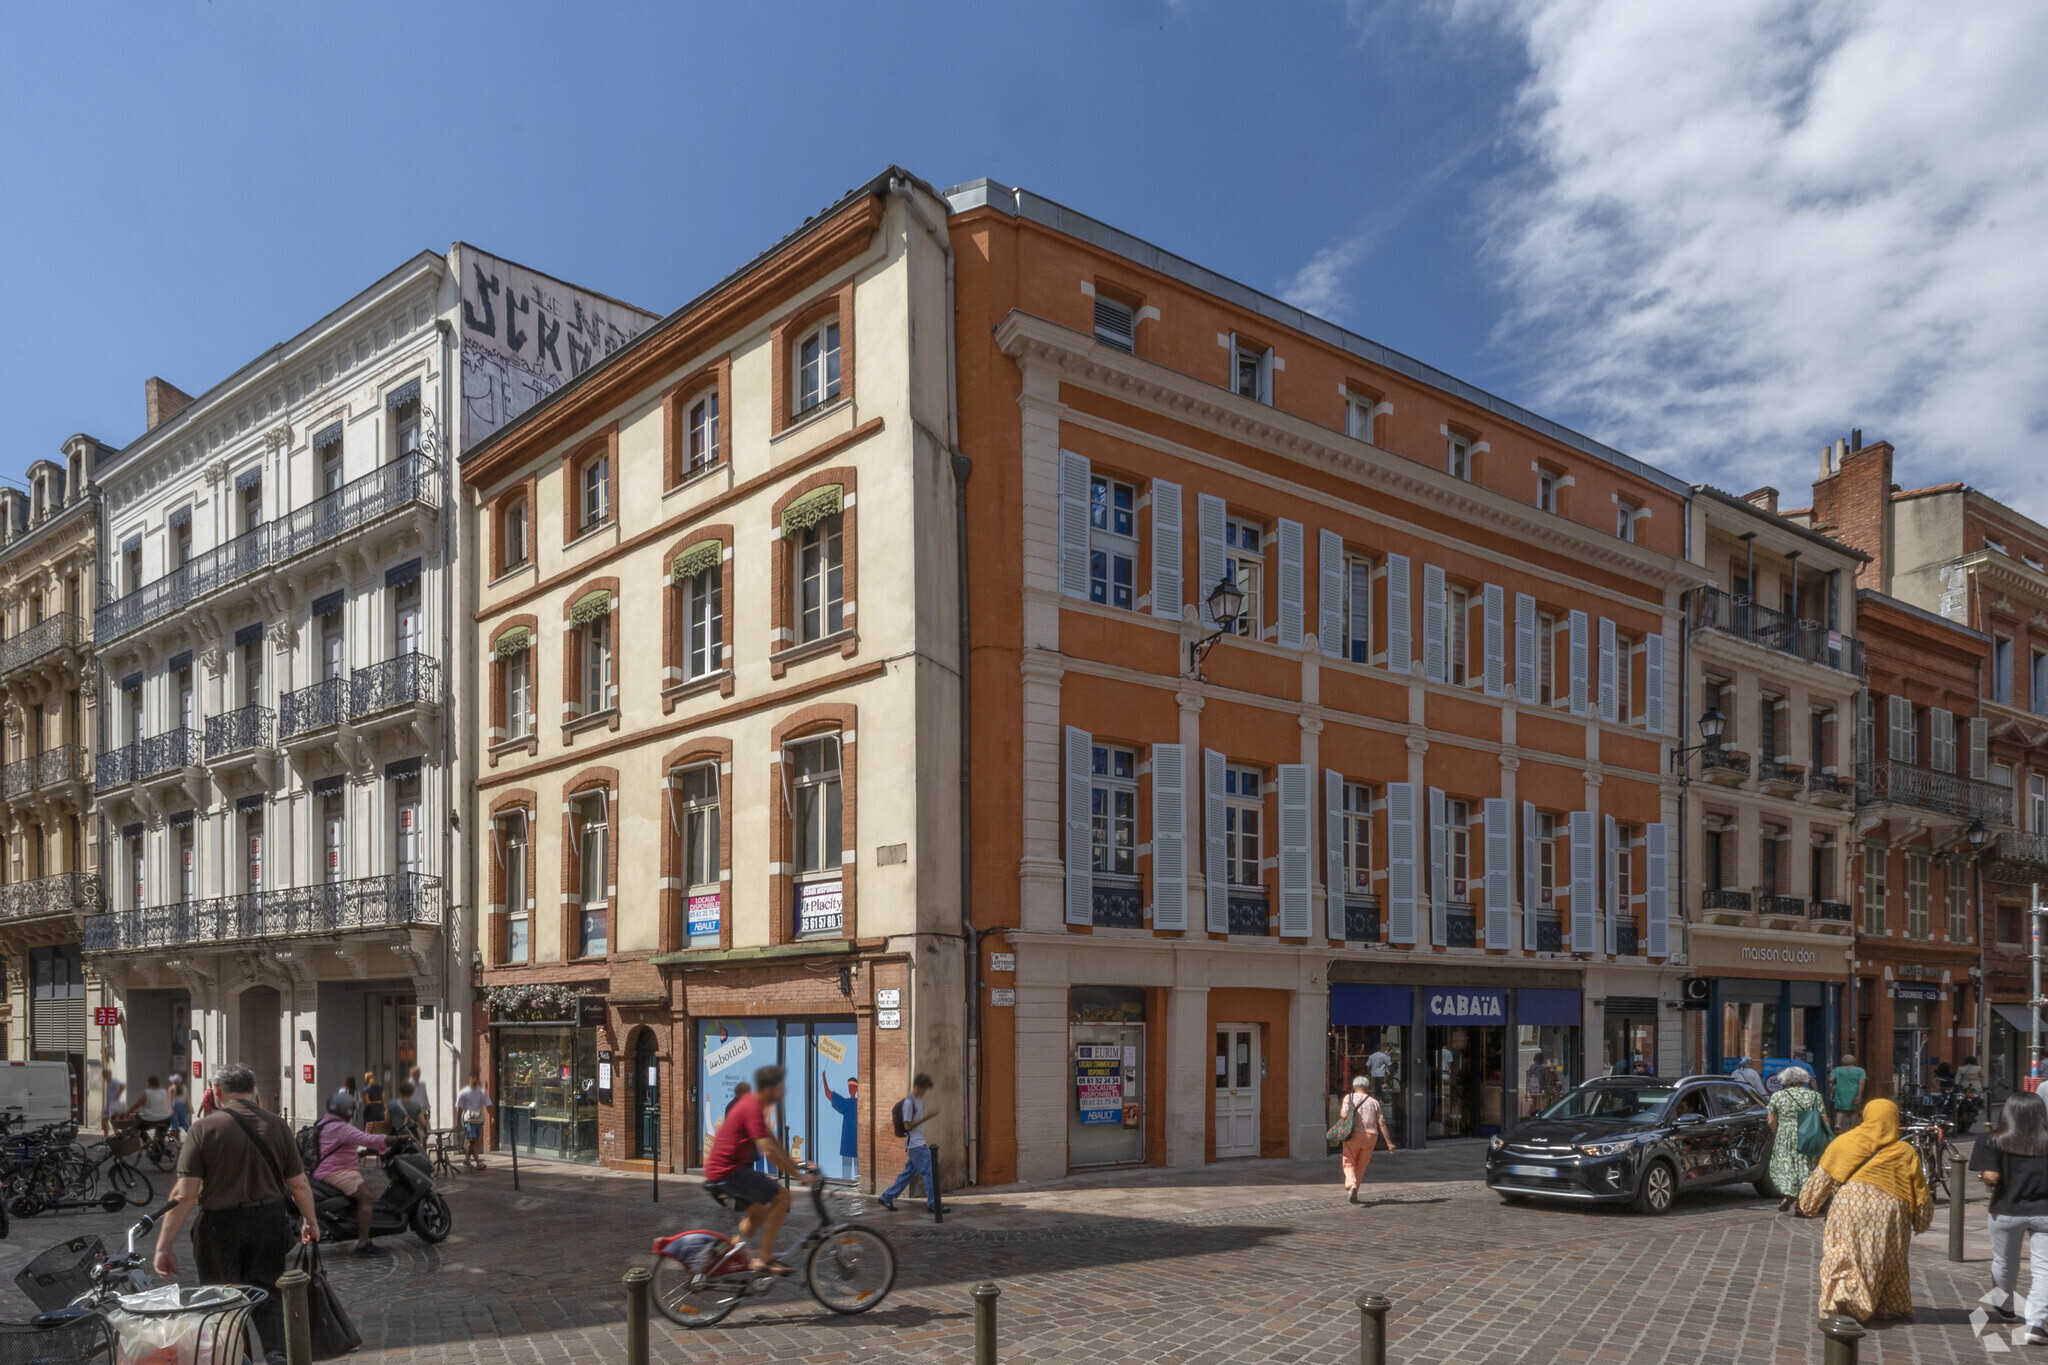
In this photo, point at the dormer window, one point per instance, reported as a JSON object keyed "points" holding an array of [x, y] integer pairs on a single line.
{"points": [[1251, 370], [817, 366], [1459, 459]]}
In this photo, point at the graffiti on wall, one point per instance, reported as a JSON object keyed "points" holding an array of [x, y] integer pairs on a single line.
{"points": [[524, 335]]}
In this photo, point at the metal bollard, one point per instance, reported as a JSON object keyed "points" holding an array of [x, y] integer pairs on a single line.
{"points": [[298, 1327], [938, 1203], [1372, 1328], [637, 1281], [1843, 1334], [985, 1295], [1957, 1175]]}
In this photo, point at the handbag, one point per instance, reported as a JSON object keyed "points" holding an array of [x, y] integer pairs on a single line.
{"points": [[1813, 1133], [334, 1336], [1346, 1124]]}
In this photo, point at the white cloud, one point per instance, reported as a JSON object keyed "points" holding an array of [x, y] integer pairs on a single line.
{"points": [[1747, 227]]}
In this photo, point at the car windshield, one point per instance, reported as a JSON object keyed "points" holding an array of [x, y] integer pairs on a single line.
{"points": [[1622, 1104]]}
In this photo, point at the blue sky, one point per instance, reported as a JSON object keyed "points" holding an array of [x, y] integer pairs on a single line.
{"points": [[1491, 185]]}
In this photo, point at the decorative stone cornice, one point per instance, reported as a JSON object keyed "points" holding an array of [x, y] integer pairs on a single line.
{"points": [[1080, 360]]}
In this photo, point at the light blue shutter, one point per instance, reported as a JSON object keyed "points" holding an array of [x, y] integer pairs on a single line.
{"points": [[1530, 857], [1493, 632], [1401, 862], [1294, 850], [1330, 594], [1213, 871], [1979, 734], [1169, 837], [1400, 618], [1439, 870], [1291, 595], [1609, 695], [1209, 529], [1525, 649], [1578, 662], [1432, 623], [1657, 900], [1333, 852], [1615, 909], [1583, 881], [1653, 682], [1080, 818], [1074, 472], [1500, 845], [1167, 594]]}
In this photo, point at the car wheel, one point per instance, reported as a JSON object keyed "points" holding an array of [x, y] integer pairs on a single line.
{"points": [[1659, 1188]]}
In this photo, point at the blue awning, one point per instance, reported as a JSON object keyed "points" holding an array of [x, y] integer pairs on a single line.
{"points": [[1548, 1008], [329, 435], [328, 786], [1366, 1005], [249, 803], [403, 574], [248, 479], [249, 635], [402, 769], [331, 603], [179, 662], [405, 393]]}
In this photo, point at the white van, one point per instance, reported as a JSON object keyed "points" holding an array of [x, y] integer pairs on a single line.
{"points": [[40, 1092]]}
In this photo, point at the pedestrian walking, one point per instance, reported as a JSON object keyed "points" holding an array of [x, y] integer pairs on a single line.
{"points": [[1870, 1186], [1970, 1076], [1746, 1073], [240, 1168], [1379, 1066], [355, 1102], [181, 1109], [404, 1113], [373, 1104], [115, 1088], [1847, 1082], [910, 1119], [1366, 1129], [1790, 1162], [2013, 1160], [423, 1122], [472, 1106]]}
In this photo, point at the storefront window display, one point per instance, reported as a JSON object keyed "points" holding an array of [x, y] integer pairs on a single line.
{"points": [[1106, 1030], [1775, 1024], [1466, 1063], [819, 1117], [547, 1090], [1912, 1030], [1631, 1045], [1547, 1026], [1369, 1036]]}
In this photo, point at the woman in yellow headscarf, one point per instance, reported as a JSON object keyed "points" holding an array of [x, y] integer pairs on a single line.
{"points": [[1871, 1187]]}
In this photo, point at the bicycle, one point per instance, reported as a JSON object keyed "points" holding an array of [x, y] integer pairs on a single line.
{"points": [[700, 1276], [1930, 1140]]}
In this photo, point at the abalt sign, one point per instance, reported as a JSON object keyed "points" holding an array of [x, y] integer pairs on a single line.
{"points": [[1457, 1006]]}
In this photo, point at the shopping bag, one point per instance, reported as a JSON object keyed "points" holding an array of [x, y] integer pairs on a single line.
{"points": [[334, 1336], [1813, 1132]]}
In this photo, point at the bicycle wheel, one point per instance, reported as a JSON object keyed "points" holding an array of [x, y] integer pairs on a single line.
{"points": [[690, 1300], [852, 1270], [130, 1181]]}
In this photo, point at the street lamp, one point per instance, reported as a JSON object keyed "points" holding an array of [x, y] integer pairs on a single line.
{"points": [[1226, 604], [1712, 724], [1977, 834]]}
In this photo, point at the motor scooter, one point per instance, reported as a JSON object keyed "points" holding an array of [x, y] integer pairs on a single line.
{"points": [[409, 1202]]}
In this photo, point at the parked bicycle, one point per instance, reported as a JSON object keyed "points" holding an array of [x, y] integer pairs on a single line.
{"points": [[700, 1276], [48, 1169], [1930, 1140]]}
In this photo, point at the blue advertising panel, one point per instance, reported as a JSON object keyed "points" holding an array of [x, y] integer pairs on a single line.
{"points": [[729, 1051], [838, 1083]]}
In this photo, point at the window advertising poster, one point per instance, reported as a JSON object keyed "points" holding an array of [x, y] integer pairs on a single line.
{"points": [[729, 1052], [1099, 1082]]}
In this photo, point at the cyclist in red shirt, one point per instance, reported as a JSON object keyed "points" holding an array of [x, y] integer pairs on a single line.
{"points": [[729, 1166]]}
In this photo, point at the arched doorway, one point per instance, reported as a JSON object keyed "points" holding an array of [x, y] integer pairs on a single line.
{"points": [[646, 1095]]}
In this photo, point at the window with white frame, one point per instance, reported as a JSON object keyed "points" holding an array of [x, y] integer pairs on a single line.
{"points": [[1359, 412], [600, 691], [1625, 516], [1112, 543], [817, 366], [820, 579], [405, 426], [1114, 811], [1116, 323], [1771, 868], [1357, 835], [1958, 898], [1625, 679], [2037, 803], [594, 481], [1546, 659], [814, 802], [1546, 863], [333, 836], [1626, 840], [1358, 610], [409, 833], [327, 457], [593, 873], [1874, 854], [136, 886], [704, 432], [697, 814], [518, 676], [515, 533], [1250, 371], [704, 622], [1546, 491], [1916, 894], [1458, 848], [1458, 459], [518, 914], [186, 864], [2001, 670], [1457, 635], [252, 847], [1243, 812], [1244, 564]]}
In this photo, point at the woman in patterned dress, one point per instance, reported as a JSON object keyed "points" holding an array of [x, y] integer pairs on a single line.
{"points": [[1790, 1166], [1870, 1186]]}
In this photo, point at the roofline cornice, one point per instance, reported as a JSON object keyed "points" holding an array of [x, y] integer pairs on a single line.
{"points": [[2003, 573], [1775, 522], [34, 536], [1080, 359]]}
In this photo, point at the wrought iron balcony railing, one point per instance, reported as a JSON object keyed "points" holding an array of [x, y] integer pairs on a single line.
{"points": [[1809, 640], [313, 708], [1834, 910], [1549, 932], [63, 764], [248, 727], [1889, 782], [18, 778], [1361, 919], [388, 902], [39, 641], [1118, 904], [1783, 905], [1249, 914], [1723, 899], [401, 681], [66, 893], [166, 752], [1819, 782], [1770, 770], [2017, 856], [1628, 941], [1461, 925], [1720, 759], [116, 767], [412, 478]]}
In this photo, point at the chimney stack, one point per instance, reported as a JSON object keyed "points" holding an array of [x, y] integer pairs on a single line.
{"points": [[162, 401]]}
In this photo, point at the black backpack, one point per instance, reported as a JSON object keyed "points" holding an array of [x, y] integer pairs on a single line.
{"points": [[896, 1119]]}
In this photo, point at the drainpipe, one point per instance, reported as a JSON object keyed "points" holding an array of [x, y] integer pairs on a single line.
{"points": [[1749, 581], [962, 468], [443, 1088], [1684, 781]]}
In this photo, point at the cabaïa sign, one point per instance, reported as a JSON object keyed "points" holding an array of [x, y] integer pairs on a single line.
{"points": [[1468, 1007]]}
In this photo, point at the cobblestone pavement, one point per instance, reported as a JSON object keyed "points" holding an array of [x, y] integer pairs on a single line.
{"points": [[1250, 1262]]}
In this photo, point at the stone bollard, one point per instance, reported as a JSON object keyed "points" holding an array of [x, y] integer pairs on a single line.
{"points": [[1958, 1175], [985, 1295], [637, 1282], [1372, 1328], [1843, 1334], [298, 1327]]}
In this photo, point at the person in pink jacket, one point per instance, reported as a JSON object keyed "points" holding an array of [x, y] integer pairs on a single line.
{"points": [[335, 1140], [1368, 1126]]}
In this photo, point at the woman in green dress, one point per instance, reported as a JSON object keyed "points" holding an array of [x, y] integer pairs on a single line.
{"points": [[1789, 1166]]}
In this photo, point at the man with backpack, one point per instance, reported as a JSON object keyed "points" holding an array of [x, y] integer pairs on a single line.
{"points": [[909, 1117]]}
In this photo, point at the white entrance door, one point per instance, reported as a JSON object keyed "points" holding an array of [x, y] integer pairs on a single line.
{"points": [[1237, 1091]]}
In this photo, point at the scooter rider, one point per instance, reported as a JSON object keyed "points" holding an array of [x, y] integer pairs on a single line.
{"points": [[335, 1139]]}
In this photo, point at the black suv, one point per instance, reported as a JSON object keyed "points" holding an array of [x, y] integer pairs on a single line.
{"points": [[1640, 1139]]}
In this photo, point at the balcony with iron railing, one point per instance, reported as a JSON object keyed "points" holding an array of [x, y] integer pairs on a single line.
{"points": [[1888, 782], [47, 637], [411, 479], [1785, 907], [66, 893], [2017, 856], [313, 708], [239, 731], [1825, 785], [408, 680], [1726, 900], [1119, 903], [1833, 911], [1743, 619], [1549, 932], [1628, 939], [394, 901], [1723, 766], [49, 771], [1461, 925], [18, 779], [167, 753], [1248, 913], [1361, 919]]}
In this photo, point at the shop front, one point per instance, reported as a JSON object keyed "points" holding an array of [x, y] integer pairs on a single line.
{"points": [[1776, 998], [547, 1084], [1460, 1057], [2009, 1051], [818, 1120], [1106, 1031]]}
